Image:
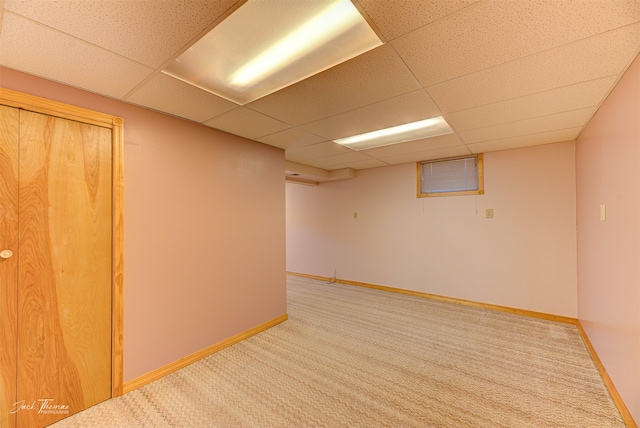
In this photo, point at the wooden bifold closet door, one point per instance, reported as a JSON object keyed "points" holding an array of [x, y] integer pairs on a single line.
{"points": [[56, 269]]}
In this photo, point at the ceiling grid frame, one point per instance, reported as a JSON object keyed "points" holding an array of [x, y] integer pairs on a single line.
{"points": [[537, 90]]}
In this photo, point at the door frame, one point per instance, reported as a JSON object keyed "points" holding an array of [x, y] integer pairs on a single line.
{"points": [[116, 124]]}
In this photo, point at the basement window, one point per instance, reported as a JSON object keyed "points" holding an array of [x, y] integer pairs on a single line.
{"points": [[451, 177]]}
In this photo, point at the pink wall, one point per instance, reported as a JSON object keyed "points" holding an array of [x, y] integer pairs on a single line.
{"points": [[204, 229], [525, 257], [608, 172]]}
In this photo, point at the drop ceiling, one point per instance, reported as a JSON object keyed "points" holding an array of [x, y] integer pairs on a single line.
{"points": [[503, 73]]}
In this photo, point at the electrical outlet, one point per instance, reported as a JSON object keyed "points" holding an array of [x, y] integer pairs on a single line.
{"points": [[488, 213], [355, 215]]}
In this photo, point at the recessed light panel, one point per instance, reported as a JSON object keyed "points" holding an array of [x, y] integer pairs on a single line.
{"points": [[397, 134], [267, 45]]}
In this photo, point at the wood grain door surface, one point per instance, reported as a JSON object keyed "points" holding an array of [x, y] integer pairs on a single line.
{"points": [[9, 139], [61, 271]]}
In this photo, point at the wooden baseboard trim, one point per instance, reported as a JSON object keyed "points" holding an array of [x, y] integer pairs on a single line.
{"points": [[615, 396], [306, 275], [189, 359], [622, 408], [507, 309]]}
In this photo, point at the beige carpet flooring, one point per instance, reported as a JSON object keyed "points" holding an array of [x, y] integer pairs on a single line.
{"points": [[354, 357]]}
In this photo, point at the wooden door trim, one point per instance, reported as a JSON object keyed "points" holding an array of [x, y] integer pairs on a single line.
{"points": [[117, 280], [116, 124]]}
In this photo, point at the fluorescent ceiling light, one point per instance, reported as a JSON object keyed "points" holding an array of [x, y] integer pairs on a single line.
{"points": [[265, 46], [397, 134]]}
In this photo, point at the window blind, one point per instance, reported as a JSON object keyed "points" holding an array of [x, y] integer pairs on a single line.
{"points": [[453, 175]]}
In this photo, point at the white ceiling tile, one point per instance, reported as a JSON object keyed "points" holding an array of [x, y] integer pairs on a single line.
{"points": [[399, 110], [315, 151], [340, 160], [573, 97], [175, 97], [393, 19], [446, 152], [496, 32], [246, 123], [371, 77], [557, 136], [291, 138], [589, 59], [442, 141], [148, 31], [62, 58], [362, 164], [575, 118]]}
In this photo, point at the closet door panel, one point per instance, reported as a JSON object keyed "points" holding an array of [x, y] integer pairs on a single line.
{"points": [[9, 119], [64, 292]]}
